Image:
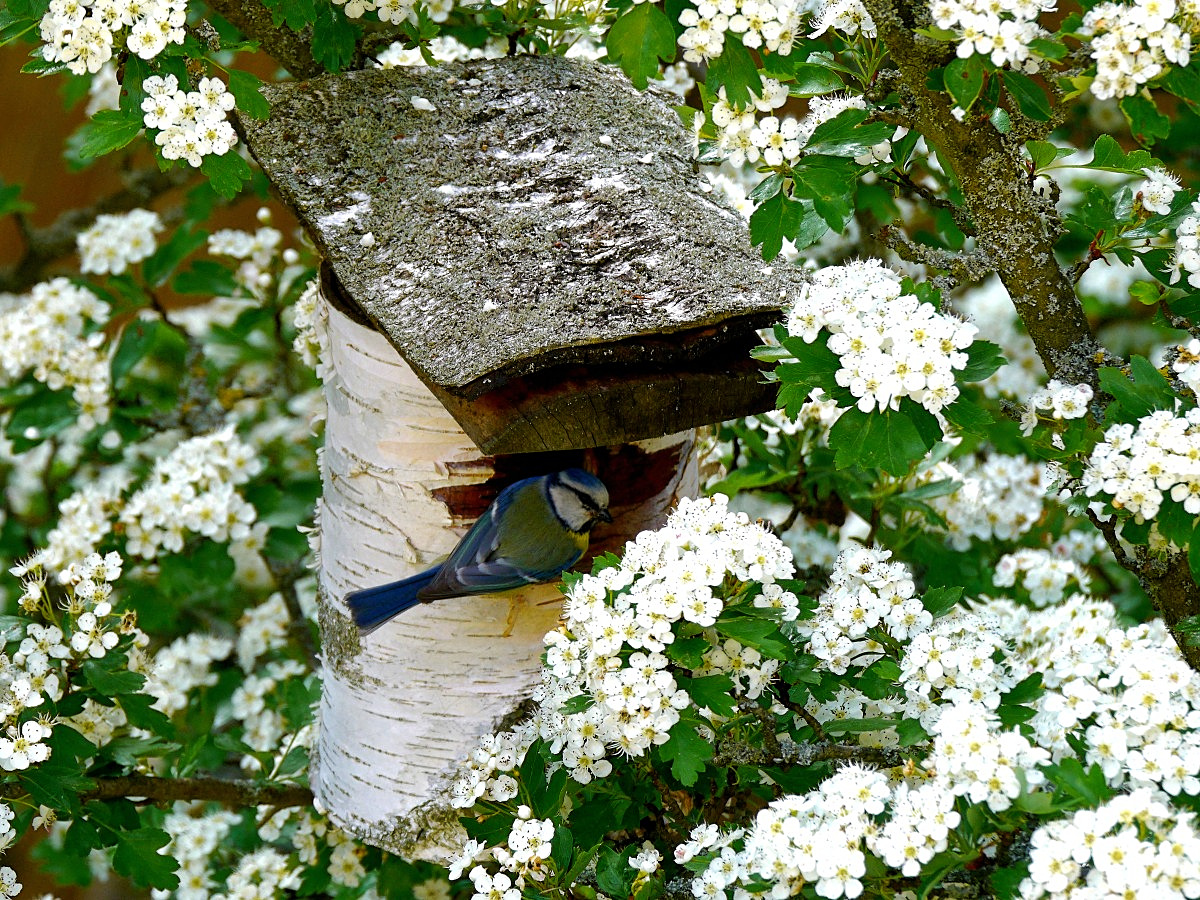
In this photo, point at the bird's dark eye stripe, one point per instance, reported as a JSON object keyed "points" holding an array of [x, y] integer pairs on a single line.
{"points": [[587, 501]]}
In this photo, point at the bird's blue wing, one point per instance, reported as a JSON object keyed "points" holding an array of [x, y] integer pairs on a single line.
{"points": [[517, 542]]}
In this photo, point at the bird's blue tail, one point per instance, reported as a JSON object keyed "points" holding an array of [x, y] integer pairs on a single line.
{"points": [[371, 607]]}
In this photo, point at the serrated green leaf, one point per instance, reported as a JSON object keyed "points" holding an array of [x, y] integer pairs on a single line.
{"points": [[964, 79], [1070, 778], [829, 184], [812, 79], [1025, 691], [227, 173], [334, 37], [1108, 156], [890, 439], [1043, 153], [686, 751], [911, 732], [983, 359], [735, 71], [1146, 123], [1146, 390], [137, 858], [767, 188], [857, 726], [245, 88], [761, 634], [940, 600], [712, 691], [688, 652], [108, 130], [772, 221], [111, 680], [848, 134], [614, 875], [638, 39], [1030, 97]]}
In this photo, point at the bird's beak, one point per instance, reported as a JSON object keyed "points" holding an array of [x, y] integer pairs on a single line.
{"points": [[604, 516]]}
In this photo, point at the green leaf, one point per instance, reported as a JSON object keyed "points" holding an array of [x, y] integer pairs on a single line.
{"points": [[1030, 97], [159, 265], [1025, 691], [245, 89], [1043, 153], [761, 634], [1006, 882], [983, 359], [687, 652], [1135, 397], [773, 220], [39, 415], [891, 439], [734, 70], [206, 276], [812, 79], [614, 875], [857, 726], [108, 130], [110, 680], [829, 183], [1070, 778], [964, 79], [968, 416], [848, 134], [296, 14], [638, 39], [1146, 123], [141, 338], [227, 173], [911, 732], [767, 188], [712, 691], [1109, 157], [137, 858], [334, 37], [686, 751], [544, 791], [1048, 49], [10, 199], [940, 600]]}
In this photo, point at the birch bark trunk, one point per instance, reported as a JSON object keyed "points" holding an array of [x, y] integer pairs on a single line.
{"points": [[401, 708]]}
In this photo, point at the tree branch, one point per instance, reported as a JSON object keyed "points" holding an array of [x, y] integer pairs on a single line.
{"points": [[45, 245], [156, 789], [288, 48], [1015, 228]]}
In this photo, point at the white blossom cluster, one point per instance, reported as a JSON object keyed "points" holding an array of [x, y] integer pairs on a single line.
{"points": [[310, 341], [258, 250], [1139, 466], [999, 497], [1000, 31], [1158, 190], [309, 833], [34, 674], [263, 874], [779, 141], [264, 727], [1187, 365], [192, 489], [391, 11], [1133, 845], [848, 17], [85, 34], [1060, 400], [182, 665], [190, 124], [261, 629], [196, 835], [1187, 248], [53, 333], [1125, 691], [444, 48], [770, 25], [84, 520], [115, 241], [610, 647], [865, 591], [891, 344], [952, 664], [1134, 43], [1047, 576]]}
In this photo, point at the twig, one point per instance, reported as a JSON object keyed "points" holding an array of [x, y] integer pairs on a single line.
{"points": [[157, 789]]}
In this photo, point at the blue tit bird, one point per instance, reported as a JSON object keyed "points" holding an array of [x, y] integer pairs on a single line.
{"points": [[534, 531]]}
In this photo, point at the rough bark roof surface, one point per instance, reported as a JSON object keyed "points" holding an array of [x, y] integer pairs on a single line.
{"points": [[543, 212]]}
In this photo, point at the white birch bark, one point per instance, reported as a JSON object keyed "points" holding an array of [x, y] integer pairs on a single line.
{"points": [[401, 708]]}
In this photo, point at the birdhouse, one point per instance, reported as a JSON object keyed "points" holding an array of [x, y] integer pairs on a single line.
{"points": [[522, 272]]}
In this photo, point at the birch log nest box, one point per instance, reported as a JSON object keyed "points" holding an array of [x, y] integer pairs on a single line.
{"points": [[522, 272]]}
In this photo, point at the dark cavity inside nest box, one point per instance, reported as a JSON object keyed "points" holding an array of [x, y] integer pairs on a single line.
{"points": [[537, 246]]}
